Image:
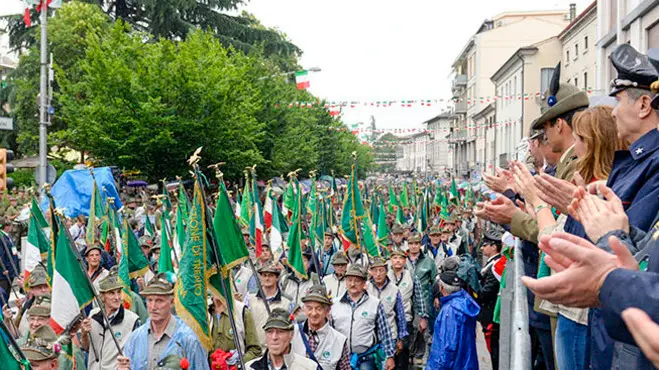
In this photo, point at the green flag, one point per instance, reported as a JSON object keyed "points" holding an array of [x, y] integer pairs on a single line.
{"points": [[191, 285], [36, 211], [403, 196], [455, 195], [422, 214], [122, 268], [288, 200], [180, 230], [399, 216], [370, 241], [183, 201], [167, 201], [165, 258], [393, 200], [443, 213], [96, 213], [294, 240], [9, 360], [228, 235], [353, 209], [148, 227], [245, 206], [138, 265], [383, 230]]}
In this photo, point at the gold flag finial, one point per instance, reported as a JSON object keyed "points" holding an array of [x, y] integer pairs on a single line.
{"points": [[195, 158]]}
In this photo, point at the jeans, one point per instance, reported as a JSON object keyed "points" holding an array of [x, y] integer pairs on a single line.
{"points": [[570, 344]]}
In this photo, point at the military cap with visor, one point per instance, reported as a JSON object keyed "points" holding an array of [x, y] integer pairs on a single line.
{"points": [[435, 230], [634, 70], [41, 346], [339, 258], [317, 293], [397, 229], [279, 319], [269, 267], [111, 281], [414, 238], [395, 251], [161, 284], [492, 236], [37, 277], [378, 261], [559, 99], [357, 271], [92, 248], [41, 307]]}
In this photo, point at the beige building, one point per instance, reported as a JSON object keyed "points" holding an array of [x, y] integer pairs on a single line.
{"points": [[528, 70], [624, 21], [484, 53], [440, 158], [411, 154], [579, 58]]}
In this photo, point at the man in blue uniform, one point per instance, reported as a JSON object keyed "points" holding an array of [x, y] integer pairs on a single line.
{"points": [[634, 177]]}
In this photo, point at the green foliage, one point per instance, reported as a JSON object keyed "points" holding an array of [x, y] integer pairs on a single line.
{"points": [[23, 178]]}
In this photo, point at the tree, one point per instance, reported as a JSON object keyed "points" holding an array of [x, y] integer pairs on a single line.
{"points": [[174, 19]]}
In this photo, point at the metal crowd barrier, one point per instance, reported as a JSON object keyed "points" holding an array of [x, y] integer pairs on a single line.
{"points": [[515, 340]]}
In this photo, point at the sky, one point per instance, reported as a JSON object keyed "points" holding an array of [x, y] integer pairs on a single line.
{"points": [[374, 50]]}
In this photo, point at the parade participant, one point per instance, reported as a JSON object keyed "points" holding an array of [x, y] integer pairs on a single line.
{"points": [[222, 332], [296, 287], [438, 246], [40, 349], [122, 323], [9, 260], [336, 282], [330, 247], [269, 276], [155, 255], [383, 289], [95, 271], [487, 298], [164, 337], [278, 354], [454, 338], [423, 267], [397, 237], [362, 319], [38, 317], [146, 244], [78, 232], [266, 254], [415, 302], [457, 241], [315, 338]]}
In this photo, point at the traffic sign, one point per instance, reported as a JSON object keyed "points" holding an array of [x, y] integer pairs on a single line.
{"points": [[6, 123], [51, 174]]}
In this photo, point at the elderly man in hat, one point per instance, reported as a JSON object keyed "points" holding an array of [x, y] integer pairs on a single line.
{"points": [[40, 349], [39, 317], [415, 302], [454, 338], [269, 277], [315, 338], [294, 286], [122, 323], [397, 237], [487, 298], [164, 339], [438, 246], [222, 334], [279, 334], [336, 282], [363, 320], [381, 287]]}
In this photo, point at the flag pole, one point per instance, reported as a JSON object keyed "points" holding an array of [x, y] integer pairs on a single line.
{"points": [[81, 265], [13, 326], [193, 161], [314, 255]]}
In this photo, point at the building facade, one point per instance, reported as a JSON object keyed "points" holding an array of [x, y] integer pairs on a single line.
{"points": [[412, 154], [484, 53], [579, 57], [439, 156], [624, 21]]}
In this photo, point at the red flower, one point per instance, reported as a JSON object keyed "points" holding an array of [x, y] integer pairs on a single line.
{"points": [[292, 317], [184, 364]]}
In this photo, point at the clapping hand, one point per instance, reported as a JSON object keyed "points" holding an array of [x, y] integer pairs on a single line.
{"points": [[555, 191], [599, 216], [525, 184], [502, 181]]}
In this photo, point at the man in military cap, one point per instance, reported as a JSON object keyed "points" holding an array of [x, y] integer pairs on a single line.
{"points": [[415, 302], [103, 352], [266, 254], [40, 349], [438, 246], [37, 285], [95, 271], [164, 339], [336, 282], [382, 288], [424, 269], [294, 286], [330, 247], [397, 237], [315, 338], [363, 320], [487, 298], [269, 277], [279, 334], [454, 340]]}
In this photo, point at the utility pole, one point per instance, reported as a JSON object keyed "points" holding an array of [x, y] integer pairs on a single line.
{"points": [[43, 95]]}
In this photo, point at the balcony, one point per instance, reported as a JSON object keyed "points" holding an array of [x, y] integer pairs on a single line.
{"points": [[458, 84], [460, 107]]}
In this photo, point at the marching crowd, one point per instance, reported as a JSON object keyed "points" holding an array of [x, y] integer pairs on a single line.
{"points": [[583, 208]]}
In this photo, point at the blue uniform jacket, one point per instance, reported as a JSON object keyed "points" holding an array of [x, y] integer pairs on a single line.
{"points": [[454, 338], [635, 180]]}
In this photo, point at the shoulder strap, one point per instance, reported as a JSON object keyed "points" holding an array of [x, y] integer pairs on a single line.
{"points": [[312, 357]]}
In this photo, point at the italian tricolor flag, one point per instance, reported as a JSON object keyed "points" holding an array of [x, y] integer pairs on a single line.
{"points": [[71, 288], [36, 248], [302, 79]]}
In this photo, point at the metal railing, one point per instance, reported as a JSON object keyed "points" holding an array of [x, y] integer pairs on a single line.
{"points": [[515, 340]]}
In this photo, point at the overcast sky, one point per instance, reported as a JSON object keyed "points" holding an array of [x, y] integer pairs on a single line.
{"points": [[371, 50]]}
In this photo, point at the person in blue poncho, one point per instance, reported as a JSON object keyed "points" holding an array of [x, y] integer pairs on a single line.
{"points": [[454, 338]]}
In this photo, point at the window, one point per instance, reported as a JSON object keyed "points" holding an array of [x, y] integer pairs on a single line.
{"points": [[585, 81], [545, 79], [653, 36], [576, 82], [567, 57], [515, 88], [576, 51], [585, 44]]}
